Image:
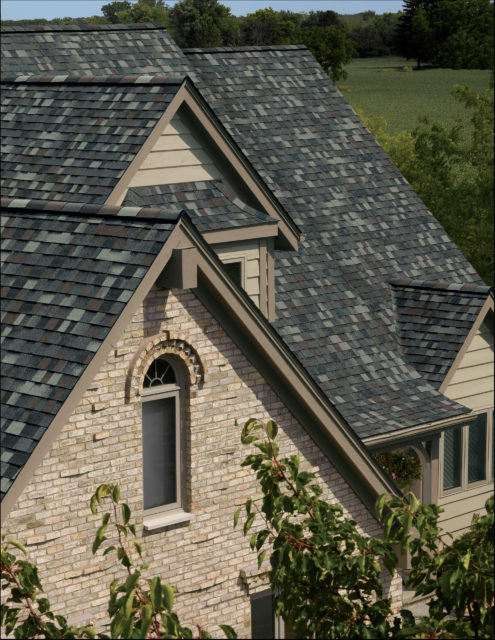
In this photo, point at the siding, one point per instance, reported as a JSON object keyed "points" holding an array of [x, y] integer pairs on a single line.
{"points": [[472, 383], [461, 506], [177, 156]]}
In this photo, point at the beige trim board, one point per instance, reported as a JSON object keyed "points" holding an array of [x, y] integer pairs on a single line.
{"points": [[187, 95], [240, 234], [467, 342]]}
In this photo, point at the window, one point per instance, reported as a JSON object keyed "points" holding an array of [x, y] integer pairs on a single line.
{"points": [[467, 454], [234, 269], [264, 622], [162, 438]]}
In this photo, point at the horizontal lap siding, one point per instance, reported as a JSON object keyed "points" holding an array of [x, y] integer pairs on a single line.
{"points": [[461, 506], [176, 157], [472, 383], [250, 252]]}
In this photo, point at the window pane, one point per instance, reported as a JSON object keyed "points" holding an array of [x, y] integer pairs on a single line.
{"points": [[452, 458], [234, 271], [477, 450], [262, 618], [159, 463]]}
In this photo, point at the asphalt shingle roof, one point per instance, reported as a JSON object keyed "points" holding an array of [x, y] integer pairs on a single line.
{"points": [[433, 321], [116, 49], [72, 138], [67, 274], [363, 224], [210, 204]]}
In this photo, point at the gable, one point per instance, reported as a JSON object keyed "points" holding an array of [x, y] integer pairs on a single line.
{"points": [[472, 383], [177, 156]]}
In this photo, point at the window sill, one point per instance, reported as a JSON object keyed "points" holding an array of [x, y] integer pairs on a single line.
{"points": [[150, 523]]}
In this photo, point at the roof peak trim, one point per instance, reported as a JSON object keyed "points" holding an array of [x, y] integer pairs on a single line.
{"points": [[75, 208], [74, 78], [83, 26], [440, 285], [263, 47]]}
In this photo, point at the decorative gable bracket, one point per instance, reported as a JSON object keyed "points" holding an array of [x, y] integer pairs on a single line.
{"points": [[181, 271]]}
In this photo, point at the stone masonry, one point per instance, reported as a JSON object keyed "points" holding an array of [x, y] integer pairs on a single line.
{"points": [[209, 561]]}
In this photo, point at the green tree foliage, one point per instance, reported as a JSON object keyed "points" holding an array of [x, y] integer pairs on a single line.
{"points": [[112, 9], [327, 575], [269, 27], [321, 19], [376, 36], [139, 607], [203, 23], [452, 172], [448, 33], [331, 47], [141, 11]]}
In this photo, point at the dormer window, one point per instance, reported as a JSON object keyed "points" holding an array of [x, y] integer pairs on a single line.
{"points": [[235, 269]]}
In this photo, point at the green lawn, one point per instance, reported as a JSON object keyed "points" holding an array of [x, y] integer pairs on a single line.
{"points": [[382, 87]]}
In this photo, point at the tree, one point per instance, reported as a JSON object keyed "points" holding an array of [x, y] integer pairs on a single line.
{"points": [[376, 36], [269, 27], [331, 47], [138, 607], [202, 23], [321, 19], [112, 9], [327, 575], [141, 11]]}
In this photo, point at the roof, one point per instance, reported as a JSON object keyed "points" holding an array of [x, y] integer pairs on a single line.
{"points": [[116, 49], [364, 226], [433, 321], [210, 204], [72, 137], [67, 274]]}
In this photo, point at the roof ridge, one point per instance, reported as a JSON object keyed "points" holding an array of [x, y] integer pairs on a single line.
{"points": [[440, 285], [83, 26], [84, 208], [245, 49], [85, 78]]}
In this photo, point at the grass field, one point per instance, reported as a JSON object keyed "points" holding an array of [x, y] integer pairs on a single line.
{"points": [[381, 87]]}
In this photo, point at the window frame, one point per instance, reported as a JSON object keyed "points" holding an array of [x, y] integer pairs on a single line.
{"points": [[242, 261], [465, 485], [160, 392]]}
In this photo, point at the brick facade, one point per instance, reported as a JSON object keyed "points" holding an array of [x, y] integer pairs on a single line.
{"points": [[207, 559]]}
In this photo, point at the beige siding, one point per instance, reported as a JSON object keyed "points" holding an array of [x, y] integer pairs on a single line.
{"points": [[472, 382], [461, 506], [177, 156]]}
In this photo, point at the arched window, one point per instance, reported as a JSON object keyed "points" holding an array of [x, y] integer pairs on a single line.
{"points": [[162, 447]]}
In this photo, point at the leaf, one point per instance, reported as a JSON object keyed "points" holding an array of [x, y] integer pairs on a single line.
{"points": [[126, 513], [156, 593], [116, 493], [252, 540], [18, 545], [261, 557], [236, 516], [248, 523], [139, 549], [466, 560], [146, 615], [272, 429], [228, 630], [168, 597], [108, 549]]}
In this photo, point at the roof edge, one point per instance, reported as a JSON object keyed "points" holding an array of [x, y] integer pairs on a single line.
{"points": [[74, 208], [83, 26], [247, 48], [75, 78], [441, 285]]}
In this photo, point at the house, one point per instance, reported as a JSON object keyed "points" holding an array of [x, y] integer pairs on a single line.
{"points": [[192, 238]]}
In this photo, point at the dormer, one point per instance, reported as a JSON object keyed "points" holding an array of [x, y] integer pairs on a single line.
{"points": [[190, 163]]}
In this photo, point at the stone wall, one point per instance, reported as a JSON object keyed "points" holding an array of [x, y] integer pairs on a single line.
{"points": [[102, 443]]}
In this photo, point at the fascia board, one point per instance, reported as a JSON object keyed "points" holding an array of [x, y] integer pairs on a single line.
{"points": [[239, 234], [268, 353], [67, 409], [418, 431], [477, 324]]}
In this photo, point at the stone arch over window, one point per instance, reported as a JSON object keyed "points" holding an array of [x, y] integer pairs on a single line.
{"points": [[178, 348]]}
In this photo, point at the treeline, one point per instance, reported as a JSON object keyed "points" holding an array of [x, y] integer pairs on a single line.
{"points": [[447, 33]]}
